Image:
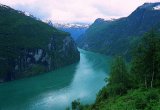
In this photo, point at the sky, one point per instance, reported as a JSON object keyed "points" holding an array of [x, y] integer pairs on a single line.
{"points": [[72, 11]]}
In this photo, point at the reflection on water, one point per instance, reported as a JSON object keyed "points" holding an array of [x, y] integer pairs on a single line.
{"points": [[56, 90]]}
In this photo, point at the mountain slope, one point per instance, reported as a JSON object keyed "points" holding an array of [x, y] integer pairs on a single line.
{"points": [[75, 29], [29, 46], [116, 36]]}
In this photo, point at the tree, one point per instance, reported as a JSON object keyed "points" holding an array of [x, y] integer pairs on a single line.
{"points": [[76, 104], [119, 81], [146, 60]]}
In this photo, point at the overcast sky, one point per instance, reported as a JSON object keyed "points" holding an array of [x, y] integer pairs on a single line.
{"points": [[76, 10]]}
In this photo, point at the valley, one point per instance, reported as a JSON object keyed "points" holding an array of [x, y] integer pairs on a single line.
{"points": [[56, 90], [54, 57]]}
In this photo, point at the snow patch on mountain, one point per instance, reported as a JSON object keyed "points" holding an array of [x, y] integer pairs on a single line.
{"points": [[4, 6], [27, 14], [151, 6], [71, 25], [156, 7]]}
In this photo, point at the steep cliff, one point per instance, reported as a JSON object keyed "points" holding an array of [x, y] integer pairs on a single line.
{"points": [[29, 46]]}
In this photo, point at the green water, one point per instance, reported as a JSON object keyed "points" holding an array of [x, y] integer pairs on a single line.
{"points": [[56, 90]]}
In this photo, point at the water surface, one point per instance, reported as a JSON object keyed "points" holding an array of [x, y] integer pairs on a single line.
{"points": [[56, 90]]}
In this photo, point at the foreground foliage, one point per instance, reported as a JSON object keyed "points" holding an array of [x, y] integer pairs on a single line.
{"points": [[135, 87], [138, 99], [146, 61]]}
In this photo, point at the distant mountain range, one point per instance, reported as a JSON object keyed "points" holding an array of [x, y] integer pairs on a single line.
{"points": [[113, 37], [75, 29]]}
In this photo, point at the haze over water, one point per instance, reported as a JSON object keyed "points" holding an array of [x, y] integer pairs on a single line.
{"points": [[56, 90]]}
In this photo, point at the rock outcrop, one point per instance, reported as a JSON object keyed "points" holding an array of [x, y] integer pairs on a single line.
{"points": [[29, 47]]}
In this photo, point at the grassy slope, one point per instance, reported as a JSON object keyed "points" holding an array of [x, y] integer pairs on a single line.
{"points": [[138, 99]]}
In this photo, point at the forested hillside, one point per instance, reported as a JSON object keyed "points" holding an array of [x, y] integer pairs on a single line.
{"points": [[117, 36], [29, 46], [134, 85]]}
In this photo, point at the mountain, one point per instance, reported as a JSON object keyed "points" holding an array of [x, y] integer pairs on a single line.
{"points": [[29, 46], [116, 36], [75, 29]]}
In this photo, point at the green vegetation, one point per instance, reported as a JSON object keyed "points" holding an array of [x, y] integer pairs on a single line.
{"points": [[146, 61], [115, 37], [76, 104], [21, 38], [133, 87], [19, 32], [137, 99], [118, 82]]}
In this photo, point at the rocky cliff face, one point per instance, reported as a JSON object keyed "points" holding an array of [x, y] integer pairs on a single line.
{"points": [[37, 60], [33, 47]]}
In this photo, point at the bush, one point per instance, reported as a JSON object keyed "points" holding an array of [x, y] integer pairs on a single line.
{"points": [[152, 96], [140, 103], [102, 94], [76, 104]]}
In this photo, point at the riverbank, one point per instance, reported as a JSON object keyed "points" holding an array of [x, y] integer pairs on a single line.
{"points": [[56, 90]]}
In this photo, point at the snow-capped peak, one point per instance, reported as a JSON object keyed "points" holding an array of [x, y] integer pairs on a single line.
{"points": [[71, 25], [151, 6], [156, 7], [4, 6]]}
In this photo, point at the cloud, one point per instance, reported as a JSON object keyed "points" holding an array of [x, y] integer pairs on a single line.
{"points": [[76, 10]]}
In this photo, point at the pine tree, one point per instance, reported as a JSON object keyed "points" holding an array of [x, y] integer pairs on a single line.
{"points": [[118, 82], [146, 61]]}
